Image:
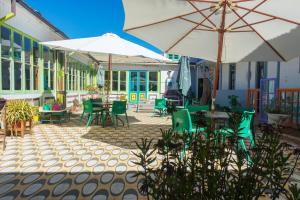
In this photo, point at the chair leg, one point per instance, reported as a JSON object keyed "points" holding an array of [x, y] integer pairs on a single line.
{"points": [[244, 148], [127, 119], [81, 118], [113, 118], [89, 120]]}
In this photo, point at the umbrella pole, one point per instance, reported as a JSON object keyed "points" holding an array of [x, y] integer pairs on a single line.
{"points": [[65, 81], [221, 32], [108, 73]]}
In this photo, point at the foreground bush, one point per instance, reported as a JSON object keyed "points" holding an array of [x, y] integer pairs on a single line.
{"points": [[218, 170]]}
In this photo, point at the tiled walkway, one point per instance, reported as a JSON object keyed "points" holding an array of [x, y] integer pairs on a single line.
{"points": [[72, 162]]}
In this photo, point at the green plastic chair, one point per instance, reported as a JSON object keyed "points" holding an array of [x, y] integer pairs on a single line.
{"points": [[90, 111], [245, 131], [46, 107], [182, 122], [119, 108], [161, 106]]}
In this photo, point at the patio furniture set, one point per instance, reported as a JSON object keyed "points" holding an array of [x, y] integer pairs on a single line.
{"points": [[184, 119], [104, 111]]}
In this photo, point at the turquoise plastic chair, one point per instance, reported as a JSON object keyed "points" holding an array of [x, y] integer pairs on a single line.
{"points": [[245, 131], [186, 104], [119, 108], [182, 122], [90, 111], [161, 106]]}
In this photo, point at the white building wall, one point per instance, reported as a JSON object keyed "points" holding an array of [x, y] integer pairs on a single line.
{"points": [[225, 76], [241, 76], [290, 74]]}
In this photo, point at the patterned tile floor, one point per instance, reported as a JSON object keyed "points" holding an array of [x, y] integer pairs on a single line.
{"points": [[71, 162]]}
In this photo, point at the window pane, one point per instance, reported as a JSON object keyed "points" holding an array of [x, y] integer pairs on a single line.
{"points": [[5, 75], [18, 75], [27, 77], [46, 79], [153, 81], [52, 80], [17, 46], [27, 47], [232, 75], [133, 81], [115, 81], [35, 78], [35, 53], [5, 42], [122, 81], [46, 56], [142, 81]]}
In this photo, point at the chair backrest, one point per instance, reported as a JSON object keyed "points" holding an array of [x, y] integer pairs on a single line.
{"points": [[160, 102], [246, 123], [196, 108], [87, 106], [181, 121], [98, 100], [119, 107]]}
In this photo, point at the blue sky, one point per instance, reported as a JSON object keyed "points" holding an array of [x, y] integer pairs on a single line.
{"points": [[86, 18]]}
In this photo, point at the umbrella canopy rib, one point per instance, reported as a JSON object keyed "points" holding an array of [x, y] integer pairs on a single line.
{"points": [[269, 15], [247, 13], [201, 13], [169, 19], [194, 28], [267, 42]]}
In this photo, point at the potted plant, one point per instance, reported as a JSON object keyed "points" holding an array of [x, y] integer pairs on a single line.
{"points": [[275, 116], [18, 112]]}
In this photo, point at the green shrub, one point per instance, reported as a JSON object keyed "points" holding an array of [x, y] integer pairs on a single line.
{"points": [[217, 170]]}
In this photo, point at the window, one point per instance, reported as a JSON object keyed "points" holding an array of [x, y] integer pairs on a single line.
{"points": [[74, 78], [122, 81], [170, 56], [232, 76], [17, 48], [152, 81], [6, 74], [115, 81], [27, 48], [51, 66], [70, 77], [18, 75], [176, 57], [5, 42], [142, 81], [83, 80], [46, 57], [18, 40], [35, 66]]}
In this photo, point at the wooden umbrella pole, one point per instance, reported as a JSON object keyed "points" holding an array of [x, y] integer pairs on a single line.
{"points": [[108, 74], [221, 32]]}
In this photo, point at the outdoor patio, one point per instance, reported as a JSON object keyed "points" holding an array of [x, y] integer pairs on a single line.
{"points": [[75, 162]]}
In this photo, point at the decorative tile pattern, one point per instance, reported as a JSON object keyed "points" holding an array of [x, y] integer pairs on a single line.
{"points": [[69, 161]]}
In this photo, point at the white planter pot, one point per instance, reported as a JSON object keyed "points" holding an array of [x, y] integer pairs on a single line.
{"points": [[277, 118]]}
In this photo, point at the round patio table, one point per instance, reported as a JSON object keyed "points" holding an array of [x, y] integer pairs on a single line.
{"points": [[218, 118]]}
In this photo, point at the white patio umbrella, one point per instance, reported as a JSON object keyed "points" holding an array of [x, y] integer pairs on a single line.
{"points": [[108, 48], [218, 30]]}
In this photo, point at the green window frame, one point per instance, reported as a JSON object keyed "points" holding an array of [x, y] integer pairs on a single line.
{"points": [[36, 56], [46, 63], [28, 68], [6, 68]]}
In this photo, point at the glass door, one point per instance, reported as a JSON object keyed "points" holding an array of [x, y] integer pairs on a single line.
{"points": [[267, 101], [137, 86]]}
